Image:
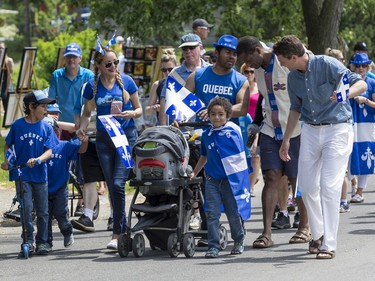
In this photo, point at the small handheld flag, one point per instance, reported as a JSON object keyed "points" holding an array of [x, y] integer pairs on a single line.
{"points": [[112, 41], [118, 138], [11, 156], [99, 47], [180, 102], [342, 91]]}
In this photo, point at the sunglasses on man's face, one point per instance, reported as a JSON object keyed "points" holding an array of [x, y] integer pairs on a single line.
{"points": [[169, 69], [248, 72], [109, 64], [188, 48]]}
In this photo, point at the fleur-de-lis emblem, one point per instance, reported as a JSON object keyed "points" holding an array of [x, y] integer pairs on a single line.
{"points": [[108, 127], [193, 103], [31, 142], [245, 195], [278, 86], [367, 156], [362, 106], [50, 162]]}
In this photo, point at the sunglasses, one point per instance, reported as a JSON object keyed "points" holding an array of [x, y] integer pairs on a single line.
{"points": [[109, 64], [188, 48], [169, 69], [361, 65], [248, 71]]}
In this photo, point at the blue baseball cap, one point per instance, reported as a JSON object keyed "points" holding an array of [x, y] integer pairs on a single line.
{"points": [[227, 41], [361, 58], [53, 108], [73, 49]]}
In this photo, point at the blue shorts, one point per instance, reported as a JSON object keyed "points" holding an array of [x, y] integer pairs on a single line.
{"points": [[270, 159]]}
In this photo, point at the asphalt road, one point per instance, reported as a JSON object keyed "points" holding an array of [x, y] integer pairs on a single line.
{"points": [[88, 258]]}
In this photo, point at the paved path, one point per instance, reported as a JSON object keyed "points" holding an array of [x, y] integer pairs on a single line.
{"points": [[88, 259]]}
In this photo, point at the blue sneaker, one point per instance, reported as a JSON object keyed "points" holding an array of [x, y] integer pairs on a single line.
{"points": [[238, 248], [43, 249], [212, 253], [31, 250]]}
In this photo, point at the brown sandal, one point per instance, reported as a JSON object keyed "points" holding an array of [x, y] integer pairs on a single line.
{"points": [[325, 255], [314, 245], [262, 242], [301, 236]]}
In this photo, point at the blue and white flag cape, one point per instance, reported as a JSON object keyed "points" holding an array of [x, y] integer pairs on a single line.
{"points": [[179, 102], [118, 137], [230, 146], [342, 91], [362, 159]]}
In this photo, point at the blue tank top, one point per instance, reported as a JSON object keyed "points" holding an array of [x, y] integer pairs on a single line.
{"points": [[209, 85]]}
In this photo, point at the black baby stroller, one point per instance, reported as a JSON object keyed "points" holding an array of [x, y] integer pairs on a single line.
{"points": [[161, 156]]}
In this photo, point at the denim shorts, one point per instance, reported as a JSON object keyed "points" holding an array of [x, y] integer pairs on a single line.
{"points": [[270, 159]]}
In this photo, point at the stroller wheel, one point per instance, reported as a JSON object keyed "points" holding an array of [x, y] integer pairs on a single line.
{"points": [[189, 245], [223, 234], [138, 245], [124, 245], [172, 245], [96, 210]]}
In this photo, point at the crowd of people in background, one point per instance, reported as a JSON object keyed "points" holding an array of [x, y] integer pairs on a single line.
{"points": [[273, 86]]}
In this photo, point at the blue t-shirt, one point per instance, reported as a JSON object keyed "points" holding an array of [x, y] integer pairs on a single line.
{"points": [[67, 91], [213, 167], [209, 85], [58, 164], [104, 98], [30, 140]]}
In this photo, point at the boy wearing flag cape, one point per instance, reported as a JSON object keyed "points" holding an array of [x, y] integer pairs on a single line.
{"points": [[227, 180]]}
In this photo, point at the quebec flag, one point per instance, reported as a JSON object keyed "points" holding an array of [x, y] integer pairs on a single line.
{"points": [[118, 137], [180, 103], [229, 143], [10, 155], [342, 91]]}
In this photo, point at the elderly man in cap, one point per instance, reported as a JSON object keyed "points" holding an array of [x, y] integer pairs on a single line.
{"points": [[201, 27], [66, 84], [191, 46]]}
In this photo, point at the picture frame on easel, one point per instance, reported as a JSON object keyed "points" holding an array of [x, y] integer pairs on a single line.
{"points": [[60, 58], [91, 64], [14, 109], [3, 52], [26, 70]]}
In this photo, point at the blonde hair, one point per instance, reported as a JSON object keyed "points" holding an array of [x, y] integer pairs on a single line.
{"points": [[169, 55], [98, 58], [336, 53]]}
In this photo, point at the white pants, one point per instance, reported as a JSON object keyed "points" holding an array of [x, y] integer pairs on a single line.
{"points": [[323, 160]]}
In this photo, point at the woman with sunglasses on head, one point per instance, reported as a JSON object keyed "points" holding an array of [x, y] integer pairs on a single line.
{"points": [[115, 94], [363, 108], [254, 97], [168, 62]]}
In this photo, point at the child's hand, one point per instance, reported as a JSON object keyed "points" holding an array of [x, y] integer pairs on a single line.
{"points": [[32, 162], [192, 175], [5, 166]]}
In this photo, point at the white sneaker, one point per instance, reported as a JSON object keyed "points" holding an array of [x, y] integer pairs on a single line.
{"points": [[112, 245], [195, 223]]}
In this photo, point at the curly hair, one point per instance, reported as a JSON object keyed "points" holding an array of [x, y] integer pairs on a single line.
{"points": [[225, 103]]}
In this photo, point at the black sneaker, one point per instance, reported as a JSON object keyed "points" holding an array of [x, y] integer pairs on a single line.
{"points": [[281, 222], [296, 220], [79, 211], [202, 243], [43, 249], [84, 224]]}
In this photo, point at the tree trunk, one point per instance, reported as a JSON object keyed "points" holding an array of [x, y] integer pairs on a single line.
{"points": [[27, 22], [322, 20]]}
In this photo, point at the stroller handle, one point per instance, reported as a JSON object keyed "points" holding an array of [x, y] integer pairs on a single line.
{"points": [[194, 124], [12, 167]]}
